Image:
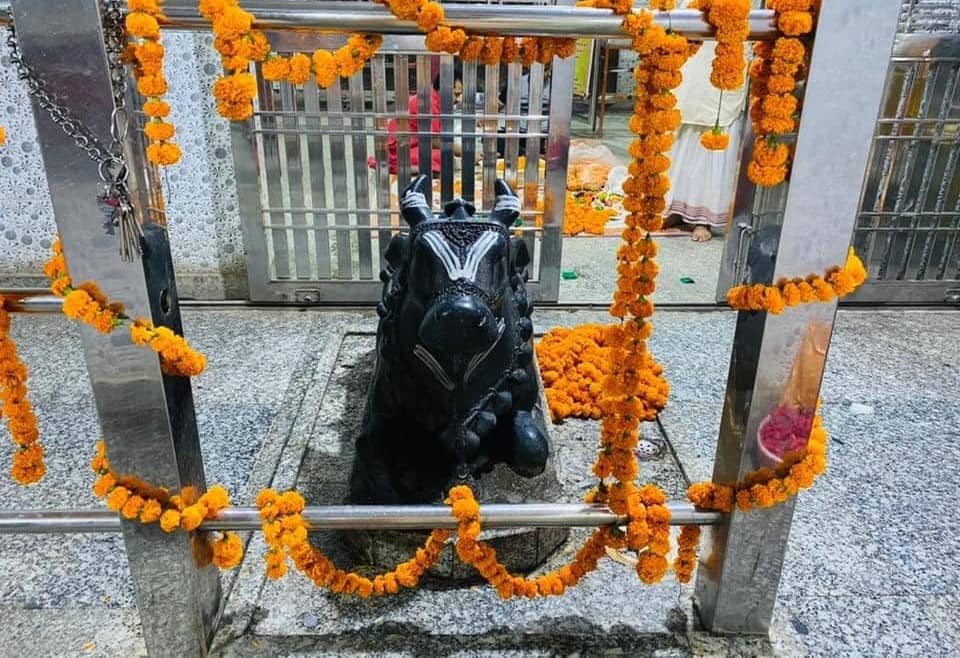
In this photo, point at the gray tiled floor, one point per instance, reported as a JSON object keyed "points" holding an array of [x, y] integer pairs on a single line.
{"points": [[871, 570]]}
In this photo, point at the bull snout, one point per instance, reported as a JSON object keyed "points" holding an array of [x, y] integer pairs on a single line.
{"points": [[459, 324]]}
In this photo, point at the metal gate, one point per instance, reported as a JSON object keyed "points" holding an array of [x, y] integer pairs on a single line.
{"points": [[909, 222], [319, 201]]}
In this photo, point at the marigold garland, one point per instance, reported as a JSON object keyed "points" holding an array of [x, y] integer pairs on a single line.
{"points": [[766, 487], [285, 532], [836, 282], [88, 304], [464, 507], [135, 499], [28, 466], [145, 53], [773, 74], [686, 561]]}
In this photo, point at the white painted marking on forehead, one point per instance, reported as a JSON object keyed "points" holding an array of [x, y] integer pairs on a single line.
{"points": [[455, 268]]}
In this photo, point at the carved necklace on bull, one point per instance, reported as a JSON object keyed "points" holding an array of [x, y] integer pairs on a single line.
{"points": [[455, 334]]}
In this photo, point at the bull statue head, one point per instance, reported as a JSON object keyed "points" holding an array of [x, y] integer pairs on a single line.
{"points": [[454, 386]]}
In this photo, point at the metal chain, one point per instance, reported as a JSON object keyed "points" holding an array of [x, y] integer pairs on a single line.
{"points": [[111, 165]]}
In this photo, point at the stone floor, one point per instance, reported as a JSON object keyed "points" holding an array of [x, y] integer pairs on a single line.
{"points": [[871, 569]]}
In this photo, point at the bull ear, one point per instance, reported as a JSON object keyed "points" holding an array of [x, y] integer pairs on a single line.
{"points": [[413, 203], [506, 208], [519, 255]]}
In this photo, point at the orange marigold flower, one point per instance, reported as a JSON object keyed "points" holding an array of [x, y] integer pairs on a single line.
{"points": [[275, 69], [227, 551], [794, 23], [152, 85], [156, 108], [299, 69], [232, 23], [715, 140], [142, 25], [191, 518], [159, 131], [151, 511], [766, 176], [429, 16], [117, 497], [324, 68], [163, 154], [258, 47]]}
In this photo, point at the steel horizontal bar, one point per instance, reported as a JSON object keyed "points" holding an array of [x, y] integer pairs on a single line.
{"points": [[506, 20], [358, 517], [30, 300]]}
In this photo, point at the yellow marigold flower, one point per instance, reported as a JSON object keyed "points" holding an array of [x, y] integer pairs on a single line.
{"points": [[3, 136], [142, 25]]}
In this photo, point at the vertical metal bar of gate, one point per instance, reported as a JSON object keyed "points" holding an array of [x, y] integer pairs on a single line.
{"points": [[147, 419], [737, 585]]}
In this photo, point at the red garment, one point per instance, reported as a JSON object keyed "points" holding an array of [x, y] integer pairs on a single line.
{"points": [[412, 140]]}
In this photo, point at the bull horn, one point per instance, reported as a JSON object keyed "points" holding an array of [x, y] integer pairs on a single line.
{"points": [[413, 203], [506, 207]]}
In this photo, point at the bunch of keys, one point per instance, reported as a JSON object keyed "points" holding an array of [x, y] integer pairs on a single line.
{"points": [[117, 211]]}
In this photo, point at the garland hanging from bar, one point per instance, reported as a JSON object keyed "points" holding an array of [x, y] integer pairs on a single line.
{"points": [[87, 303], [774, 74], [732, 23], [145, 54], [27, 466]]}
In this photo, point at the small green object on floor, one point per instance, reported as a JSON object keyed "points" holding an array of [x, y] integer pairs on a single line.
{"points": [[568, 275], [686, 279]]}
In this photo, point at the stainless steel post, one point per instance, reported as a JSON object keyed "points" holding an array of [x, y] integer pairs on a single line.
{"points": [[737, 583], [147, 419]]}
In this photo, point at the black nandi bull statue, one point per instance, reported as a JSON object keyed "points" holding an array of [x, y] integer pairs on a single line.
{"points": [[454, 385]]}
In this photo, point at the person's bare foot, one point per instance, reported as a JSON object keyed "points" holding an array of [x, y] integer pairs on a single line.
{"points": [[701, 233]]}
